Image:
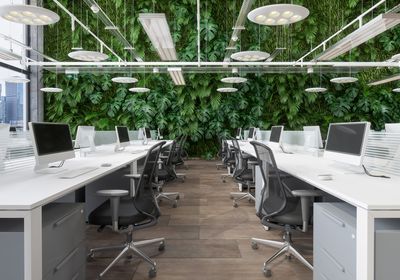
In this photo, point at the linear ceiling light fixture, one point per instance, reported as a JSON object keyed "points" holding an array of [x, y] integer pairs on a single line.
{"points": [[156, 27], [250, 56], [177, 76], [385, 81], [28, 14], [279, 14], [8, 55], [234, 80], [371, 29]]}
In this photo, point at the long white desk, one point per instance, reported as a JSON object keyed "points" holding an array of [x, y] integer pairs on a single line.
{"points": [[23, 193], [374, 198]]}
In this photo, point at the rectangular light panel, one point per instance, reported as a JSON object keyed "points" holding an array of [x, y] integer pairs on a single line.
{"points": [[366, 32], [385, 81], [177, 76], [156, 27], [8, 55]]}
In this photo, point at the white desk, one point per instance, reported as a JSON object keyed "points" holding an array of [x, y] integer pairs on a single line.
{"points": [[23, 193], [373, 197]]}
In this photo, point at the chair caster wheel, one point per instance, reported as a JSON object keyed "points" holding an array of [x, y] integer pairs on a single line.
{"points": [[175, 204], [267, 272], [152, 272], [254, 245], [235, 205], [161, 247], [90, 256]]}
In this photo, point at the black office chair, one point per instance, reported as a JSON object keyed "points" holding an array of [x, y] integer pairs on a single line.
{"points": [[127, 214], [177, 160], [243, 174], [228, 160], [281, 206], [166, 173]]}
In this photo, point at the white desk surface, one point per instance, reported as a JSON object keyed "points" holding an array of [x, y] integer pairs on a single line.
{"points": [[25, 190], [358, 190]]}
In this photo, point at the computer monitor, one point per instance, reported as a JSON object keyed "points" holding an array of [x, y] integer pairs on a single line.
{"points": [[147, 133], [392, 127], [276, 134], [312, 137], [346, 142], [122, 137], [85, 137], [4, 139], [252, 132], [239, 133], [52, 142]]}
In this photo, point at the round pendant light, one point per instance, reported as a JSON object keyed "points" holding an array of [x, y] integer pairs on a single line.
{"points": [[396, 57], [344, 80], [227, 89], [234, 80], [28, 14], [279, 14], [17, 80], [88, 56], [250, 56], [139, 89], [397, 90], [51, 89], [316, 89], [124, 80]]}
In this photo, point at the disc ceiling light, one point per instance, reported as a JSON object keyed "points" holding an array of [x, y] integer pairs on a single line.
{"points": [[279, 14], [51, 89], [17, 80], [28, 14], [250, 56], [344, 80], [316, 89], [88, 56], [124, 80], [139, 89], [397, 90], [234, 80], [227, 89]]}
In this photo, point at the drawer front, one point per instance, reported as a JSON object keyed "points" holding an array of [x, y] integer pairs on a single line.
{"points": [[61, 236], [336, 236], [326, 267], [72, 267]]}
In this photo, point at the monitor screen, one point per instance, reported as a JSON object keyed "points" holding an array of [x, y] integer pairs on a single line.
{"points": [[238, 132], [347, 138], [251, 132], [276, 132], [52, 138], [123, 134], [148, 134]]}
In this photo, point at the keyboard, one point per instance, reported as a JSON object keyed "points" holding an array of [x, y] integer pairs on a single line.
{"points": [[77, 172]]}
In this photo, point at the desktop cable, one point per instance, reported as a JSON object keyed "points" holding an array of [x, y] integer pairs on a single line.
{"points": [[372, 175]]}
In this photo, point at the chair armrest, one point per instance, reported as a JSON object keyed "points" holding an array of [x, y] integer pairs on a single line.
{"points": [[163, 156], [115, 197], [307, 193], [252, 162], [133, 176]]}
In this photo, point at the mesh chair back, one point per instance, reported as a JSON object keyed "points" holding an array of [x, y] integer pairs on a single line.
{"points": [[273, 195], [144, 197], [238, 157], [172, 152]]}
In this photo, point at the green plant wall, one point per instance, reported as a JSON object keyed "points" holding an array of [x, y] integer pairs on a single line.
{"points": [[197, 109]]}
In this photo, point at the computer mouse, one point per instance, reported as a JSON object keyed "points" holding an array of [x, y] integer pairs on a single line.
{"points": [[106, 164]]}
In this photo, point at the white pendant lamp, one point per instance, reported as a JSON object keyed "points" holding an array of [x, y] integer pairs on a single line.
{"points": [[139, 89], [397, 90], [227, 89], [234, 80], [396, 57], [124, 80], [51, 89], [88, 56], [344, 80], [250, 56], [279, 14], [316, 89], [28, 14], [17, 80]]}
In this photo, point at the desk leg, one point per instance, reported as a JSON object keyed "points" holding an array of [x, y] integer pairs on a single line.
{"points": [[134, 170], [365, 245]]}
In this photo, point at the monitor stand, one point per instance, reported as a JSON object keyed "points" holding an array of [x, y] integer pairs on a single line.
{"points": [[118, 148], [45, 169]]}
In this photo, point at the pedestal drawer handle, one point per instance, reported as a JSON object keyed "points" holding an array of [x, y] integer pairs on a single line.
{"points": [[333, 218], [66, 217], [335, 262], [67, 258]]}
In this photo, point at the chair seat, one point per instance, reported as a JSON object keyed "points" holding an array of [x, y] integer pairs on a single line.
{"points": [[291, 215], [128, 214], [246, 175]]}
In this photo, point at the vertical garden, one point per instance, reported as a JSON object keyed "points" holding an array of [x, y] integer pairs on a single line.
{"points": [[197, 109]]}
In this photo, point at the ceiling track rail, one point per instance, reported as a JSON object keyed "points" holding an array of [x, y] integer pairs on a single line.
{"points": [[237, 29], [74, 18], [112, 28], [359, 19]]}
